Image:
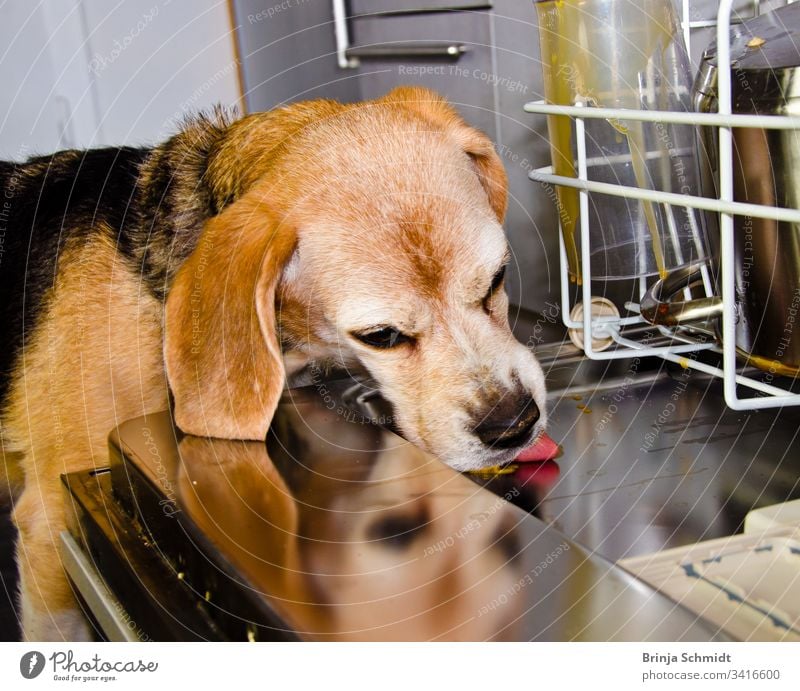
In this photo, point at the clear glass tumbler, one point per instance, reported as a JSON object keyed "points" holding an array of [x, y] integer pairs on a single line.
{"points": [[623, 54]]}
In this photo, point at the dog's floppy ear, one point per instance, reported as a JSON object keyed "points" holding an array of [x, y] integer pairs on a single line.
{"points": [[475, 143], [221, 349]]}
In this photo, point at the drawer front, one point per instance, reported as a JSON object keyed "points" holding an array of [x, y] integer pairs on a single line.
{"points": [[465, 27], [466, 79]]}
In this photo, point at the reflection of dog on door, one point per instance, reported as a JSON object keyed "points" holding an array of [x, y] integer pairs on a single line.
{"points": [[353, 534]]}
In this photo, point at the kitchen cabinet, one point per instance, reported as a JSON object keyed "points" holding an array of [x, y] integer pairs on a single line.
{"points": [[289, 53], [466, 35]]}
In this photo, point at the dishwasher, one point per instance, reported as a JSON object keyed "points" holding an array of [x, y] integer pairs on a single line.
{"points": [[687, 190]]}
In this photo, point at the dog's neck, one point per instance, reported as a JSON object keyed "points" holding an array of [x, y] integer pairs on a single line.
{"points": [[175, 198]]}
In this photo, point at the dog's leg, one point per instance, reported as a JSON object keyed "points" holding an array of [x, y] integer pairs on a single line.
{"points": [[49, 610], [93, 362], [48, 607]]}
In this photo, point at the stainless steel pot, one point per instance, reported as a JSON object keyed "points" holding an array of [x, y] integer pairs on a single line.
{"points": [[765, 75]]}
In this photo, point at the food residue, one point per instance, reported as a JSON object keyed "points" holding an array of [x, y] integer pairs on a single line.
{"points": [[493, 470]]}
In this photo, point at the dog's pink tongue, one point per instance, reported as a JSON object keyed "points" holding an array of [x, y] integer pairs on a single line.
{"points": [[543, 449]]}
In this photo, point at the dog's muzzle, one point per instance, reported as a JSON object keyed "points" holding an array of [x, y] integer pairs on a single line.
{"points": [[510, 422]]}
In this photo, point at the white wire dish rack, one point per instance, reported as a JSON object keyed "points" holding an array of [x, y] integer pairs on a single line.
{"points": [[766, 395]]}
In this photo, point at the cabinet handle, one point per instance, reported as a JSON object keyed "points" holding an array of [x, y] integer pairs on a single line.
{"points": [[342, 36], [452, 51], [403, 12], [349, 57]]}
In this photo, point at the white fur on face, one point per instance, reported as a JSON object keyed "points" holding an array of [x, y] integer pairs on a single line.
{"points": [[437, 386], [415, 248], [435, 391]]}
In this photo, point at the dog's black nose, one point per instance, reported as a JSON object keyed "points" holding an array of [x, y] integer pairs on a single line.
{"points": [[509, 423]]}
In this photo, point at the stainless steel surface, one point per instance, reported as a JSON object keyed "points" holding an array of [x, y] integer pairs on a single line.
{"points": [[650, 464], [351, 533], [658, 307], [765, 78], [145, 574], [105, 608], [651, 458]]}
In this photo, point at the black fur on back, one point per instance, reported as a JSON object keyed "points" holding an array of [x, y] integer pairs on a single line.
{"points": [[153, 202]]}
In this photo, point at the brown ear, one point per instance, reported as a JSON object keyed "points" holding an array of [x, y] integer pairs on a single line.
{"points": [[475, 143], [221, 348]]}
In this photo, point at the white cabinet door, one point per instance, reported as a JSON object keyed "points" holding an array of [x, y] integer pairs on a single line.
{"points": [[84, 73], [46, 102], [154, 61]]}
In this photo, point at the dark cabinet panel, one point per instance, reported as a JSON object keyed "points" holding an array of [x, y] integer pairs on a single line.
{"points": [[464, 78], [289, 53]]}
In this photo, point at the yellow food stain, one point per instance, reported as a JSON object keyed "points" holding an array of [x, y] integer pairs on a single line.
{"points": [[576, 397], [495, 470], [756, 42], [586, 410], [618, 126], [683, 362]]}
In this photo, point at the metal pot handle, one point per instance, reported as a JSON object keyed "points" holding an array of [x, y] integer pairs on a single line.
{"points": [[657, 307]]}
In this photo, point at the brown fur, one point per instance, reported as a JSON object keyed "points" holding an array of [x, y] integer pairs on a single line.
{"points": [[94, 362], [257, 231]]}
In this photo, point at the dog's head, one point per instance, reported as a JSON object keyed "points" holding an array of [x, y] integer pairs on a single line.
{"points": [[363, 235]]}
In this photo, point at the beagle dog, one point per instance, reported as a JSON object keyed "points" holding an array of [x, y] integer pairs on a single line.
{"points": [[203, 273]]}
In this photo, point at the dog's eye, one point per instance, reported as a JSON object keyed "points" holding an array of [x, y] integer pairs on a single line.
{"points": [[383, 338], [497, 281]]}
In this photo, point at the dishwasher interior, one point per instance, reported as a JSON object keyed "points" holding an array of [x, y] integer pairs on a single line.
{"points": [[651, 458]]}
